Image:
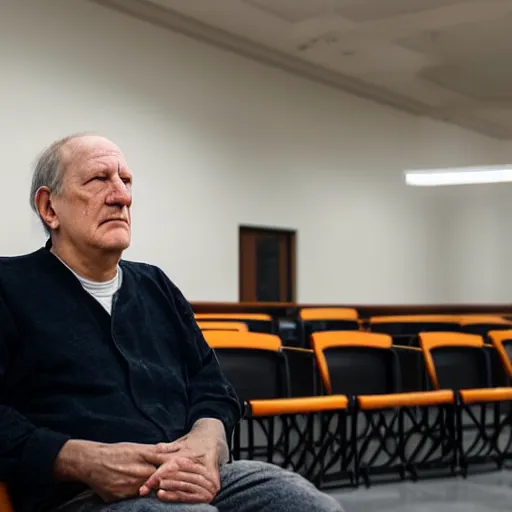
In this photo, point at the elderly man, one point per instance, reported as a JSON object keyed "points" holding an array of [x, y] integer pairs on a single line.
{"points": [[110, 399]]}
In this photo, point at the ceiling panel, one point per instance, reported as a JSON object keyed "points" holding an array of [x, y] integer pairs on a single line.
{"points": [[487, 81], [371, 10], [354, 10], [448, 59], [468, 41], [298, 10]]}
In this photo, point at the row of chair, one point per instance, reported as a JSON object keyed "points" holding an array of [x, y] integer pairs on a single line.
{"points": [[388, 408], [349, 361], [343, 440], [393, 408], [403, 328]]}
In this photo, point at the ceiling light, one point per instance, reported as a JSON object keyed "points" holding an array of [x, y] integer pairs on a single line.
{"points": [[459, 176]]}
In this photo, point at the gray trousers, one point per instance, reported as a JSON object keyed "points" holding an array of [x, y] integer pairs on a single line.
{"points": [[246, 486]]}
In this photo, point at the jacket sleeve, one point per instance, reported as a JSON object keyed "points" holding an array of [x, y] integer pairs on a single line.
{"points": [[210, 393], [27, 453]]}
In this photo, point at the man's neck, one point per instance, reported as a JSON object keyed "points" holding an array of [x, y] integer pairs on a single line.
{"points": [[98, 266]]}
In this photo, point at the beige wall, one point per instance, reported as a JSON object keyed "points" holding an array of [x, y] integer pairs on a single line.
{"points": [[216, 140]]}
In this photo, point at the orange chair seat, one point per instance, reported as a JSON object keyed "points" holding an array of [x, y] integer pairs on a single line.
{"points": [[474, 396], [417, 399], [279, 406]]}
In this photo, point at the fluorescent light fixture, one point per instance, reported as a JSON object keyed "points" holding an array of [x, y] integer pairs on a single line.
{"points": [[459, 176]]}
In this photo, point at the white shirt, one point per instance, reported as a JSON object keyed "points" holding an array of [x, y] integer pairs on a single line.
{"points": [[103, 292]]}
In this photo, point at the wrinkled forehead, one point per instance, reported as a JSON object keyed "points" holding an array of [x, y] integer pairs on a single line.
{"points": [[85, 152]]}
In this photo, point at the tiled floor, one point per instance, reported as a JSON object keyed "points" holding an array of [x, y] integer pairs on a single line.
{"points": [[479, 493]]}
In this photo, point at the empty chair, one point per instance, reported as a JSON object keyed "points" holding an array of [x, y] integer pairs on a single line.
{"points": [[481, 325], [252, 362], [366, 367], [256, 367], [356, 362], [461, 362], [405, 328], [256, 322], [359, 362], [329, 319], [222, 326], [456, 360], [294, 432]]}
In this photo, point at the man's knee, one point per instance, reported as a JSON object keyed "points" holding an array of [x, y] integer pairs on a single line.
{"points": [[284, 489], [159, 506], [153, 505]]}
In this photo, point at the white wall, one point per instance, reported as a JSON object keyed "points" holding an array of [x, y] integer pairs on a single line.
{"points": [[216, 140]]}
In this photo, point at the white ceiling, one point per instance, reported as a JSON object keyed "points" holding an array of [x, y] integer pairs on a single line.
{"points": [[446, 59]]}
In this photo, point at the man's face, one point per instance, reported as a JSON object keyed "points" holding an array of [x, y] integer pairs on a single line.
{"points": [[93, 208]]}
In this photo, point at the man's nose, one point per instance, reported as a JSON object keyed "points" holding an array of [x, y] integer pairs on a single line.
{"points": [[120, 194]]}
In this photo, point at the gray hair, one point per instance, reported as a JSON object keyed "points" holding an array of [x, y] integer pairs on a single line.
{"points": [[48, 171]]}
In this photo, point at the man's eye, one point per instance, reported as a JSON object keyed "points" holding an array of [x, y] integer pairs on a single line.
{"points": [[99, 178]]}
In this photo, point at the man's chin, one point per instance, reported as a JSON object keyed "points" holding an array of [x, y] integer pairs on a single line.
{"points": [[114, 243]]}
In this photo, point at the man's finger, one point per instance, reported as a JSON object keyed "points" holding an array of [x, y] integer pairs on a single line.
{"points": [[154, 457], [141, 471], [182, 464], [179, 481], [189, 478], [191, 464], [152, 482], [144, 490], [185, 486], [180, 497], [200, 467], [168, 447]]}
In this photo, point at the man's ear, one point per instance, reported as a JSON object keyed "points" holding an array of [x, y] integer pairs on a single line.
{"points": [[43, 202]]}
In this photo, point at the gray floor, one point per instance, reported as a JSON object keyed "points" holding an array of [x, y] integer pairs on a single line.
{"points": [[478, 493]]}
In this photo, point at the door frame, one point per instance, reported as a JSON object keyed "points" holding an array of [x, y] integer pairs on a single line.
{"points": [[291, 235]]}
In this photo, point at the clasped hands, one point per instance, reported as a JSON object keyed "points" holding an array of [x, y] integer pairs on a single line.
{"points": [[185, 470], [189, 472]]}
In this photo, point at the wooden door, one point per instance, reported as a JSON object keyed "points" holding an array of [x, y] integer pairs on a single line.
{"points": [[267, 265]]}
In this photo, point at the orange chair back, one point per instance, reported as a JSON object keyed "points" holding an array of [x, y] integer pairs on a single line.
{"points": [[407, 319], [483, 319], [242, 340], [222, 326], [324, 340], [349, 314], [5, 501], [432, 340], [233, 316]]}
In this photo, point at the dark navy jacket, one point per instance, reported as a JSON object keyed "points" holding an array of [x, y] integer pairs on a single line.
{"points": [[70, 370]]}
